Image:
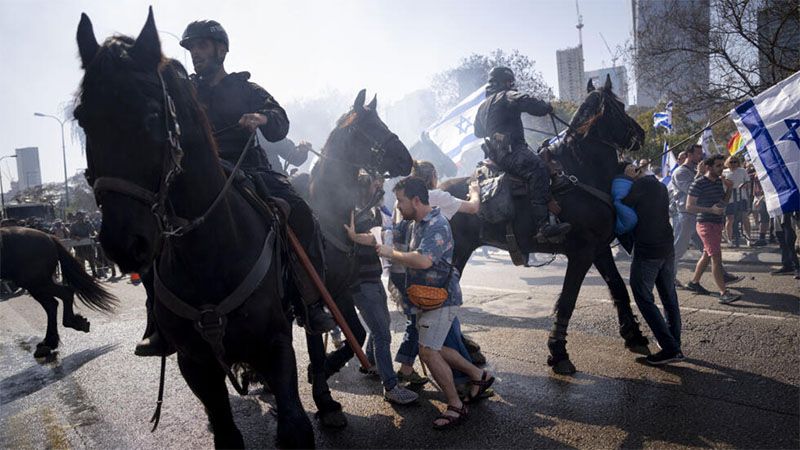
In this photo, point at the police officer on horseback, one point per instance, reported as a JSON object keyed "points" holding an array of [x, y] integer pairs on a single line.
{"points": [[236, 108], [499, 122]]}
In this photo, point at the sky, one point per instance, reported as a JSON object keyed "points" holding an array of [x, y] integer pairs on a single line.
{"points": [[295, 49]]}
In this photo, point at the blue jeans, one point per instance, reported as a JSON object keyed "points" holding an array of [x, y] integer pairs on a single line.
{"points": [[370, 299], [683, 229], [645, 274]]}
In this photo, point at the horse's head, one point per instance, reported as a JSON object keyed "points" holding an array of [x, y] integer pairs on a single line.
{"points": [[368, 143], [604, 130], [132, 137]]}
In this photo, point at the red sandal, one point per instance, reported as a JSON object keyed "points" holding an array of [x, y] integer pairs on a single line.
{"points": [[483, 384], [450, 420]]}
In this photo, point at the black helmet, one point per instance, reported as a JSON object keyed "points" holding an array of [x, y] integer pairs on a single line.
{"points": [[209, 29], [501, 75]]}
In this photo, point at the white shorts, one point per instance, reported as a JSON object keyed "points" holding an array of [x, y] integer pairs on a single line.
{"points": [[434, 325]]}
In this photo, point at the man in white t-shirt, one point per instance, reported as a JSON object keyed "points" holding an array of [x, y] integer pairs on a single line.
{"points": [[447, 203]]}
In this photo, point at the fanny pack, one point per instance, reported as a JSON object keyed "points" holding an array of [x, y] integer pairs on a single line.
{"points": [[427, 298]]}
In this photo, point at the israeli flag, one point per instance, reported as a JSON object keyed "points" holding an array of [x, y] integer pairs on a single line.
{"points": [[664, 118], [668, 164], [706, 140], [557, 139], [454, 133], [769, 125]]}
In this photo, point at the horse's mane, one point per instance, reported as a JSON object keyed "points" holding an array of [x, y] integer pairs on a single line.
{"points": [[113, 64]]}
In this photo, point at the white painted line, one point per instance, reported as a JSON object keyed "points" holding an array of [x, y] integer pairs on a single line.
{"points": [[687, 309]]}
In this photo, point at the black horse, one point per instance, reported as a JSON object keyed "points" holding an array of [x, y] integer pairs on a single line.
{"points": [[427, 150], [153, 163], [589, 157], [29, 258], [359, 141]]}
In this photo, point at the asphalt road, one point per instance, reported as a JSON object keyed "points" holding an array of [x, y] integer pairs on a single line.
{"points": [[737, 388]]}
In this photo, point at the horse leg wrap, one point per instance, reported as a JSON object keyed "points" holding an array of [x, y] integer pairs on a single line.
{"points": [[557, 343]]}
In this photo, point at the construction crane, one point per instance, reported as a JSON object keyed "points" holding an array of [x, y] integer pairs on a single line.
{"points": [[613, 56], [579, 26]]}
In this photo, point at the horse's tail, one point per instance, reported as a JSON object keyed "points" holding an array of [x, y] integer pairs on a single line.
{"points": [[89, 290]]}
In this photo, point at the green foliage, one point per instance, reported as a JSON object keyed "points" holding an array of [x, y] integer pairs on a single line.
{"points": [[454, 84]]}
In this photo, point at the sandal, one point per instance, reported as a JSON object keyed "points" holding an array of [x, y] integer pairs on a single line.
{"points": [[451, 421], [483, 384]]}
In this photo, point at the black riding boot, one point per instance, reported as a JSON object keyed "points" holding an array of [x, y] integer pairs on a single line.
{"points": [[548, 232], [152, 343], [312, 315]]}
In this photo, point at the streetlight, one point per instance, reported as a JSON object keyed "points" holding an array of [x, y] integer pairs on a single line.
{"points": [[2, 194], [64, 155]]}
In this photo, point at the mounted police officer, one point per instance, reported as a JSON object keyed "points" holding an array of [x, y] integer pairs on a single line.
{"points": [[236, 108], [499, 122]]}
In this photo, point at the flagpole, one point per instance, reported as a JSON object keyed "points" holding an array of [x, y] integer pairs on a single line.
{"points": [[693, 135]]}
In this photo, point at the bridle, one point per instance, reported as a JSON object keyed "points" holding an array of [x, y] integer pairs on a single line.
{"points": [[169, 224], [377, 151], [577, 135]]}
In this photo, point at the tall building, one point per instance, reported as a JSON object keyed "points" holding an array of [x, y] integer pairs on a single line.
{"points": [[650, 28], [778, 27], [29, 172], [619, 80], [571, 84]]}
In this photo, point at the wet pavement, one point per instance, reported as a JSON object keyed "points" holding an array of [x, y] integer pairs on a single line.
{"points": [[739, 387]]}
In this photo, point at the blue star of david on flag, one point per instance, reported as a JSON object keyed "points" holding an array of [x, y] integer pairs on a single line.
{"points": [[464, 125], [791, 135]]}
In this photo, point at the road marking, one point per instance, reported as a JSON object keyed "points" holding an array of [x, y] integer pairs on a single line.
{"points": [[686, 309]]}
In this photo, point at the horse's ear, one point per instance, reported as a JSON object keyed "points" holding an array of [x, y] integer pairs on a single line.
{"points": [[358, 105], [147, 49], [87, 43], [372, 104], [589, 86], [608, 86]]}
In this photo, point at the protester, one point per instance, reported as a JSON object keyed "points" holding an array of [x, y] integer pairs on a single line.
{"points": [[448, 206], [429, 263], [369, 295], [653, 265], [59, 230], [706, 198], [786, 239], [736, 209], [682, 178]]}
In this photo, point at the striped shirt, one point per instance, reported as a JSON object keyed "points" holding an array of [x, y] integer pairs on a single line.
{"points": [[708, 193]]}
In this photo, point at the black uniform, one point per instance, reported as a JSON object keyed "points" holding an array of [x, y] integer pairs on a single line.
{"points": [[225, 103], [500, 113]]}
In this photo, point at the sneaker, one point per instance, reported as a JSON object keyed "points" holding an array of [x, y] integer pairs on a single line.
{"points": [[413, 378], [729, 297], [664, 357], [697, 288], [400, 395], [782, 271], [730, 278]]}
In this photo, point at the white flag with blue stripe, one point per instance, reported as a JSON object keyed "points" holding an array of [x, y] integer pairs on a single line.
{"points": [[668, 164], [454, 133], [770, 126], [664, 118]]}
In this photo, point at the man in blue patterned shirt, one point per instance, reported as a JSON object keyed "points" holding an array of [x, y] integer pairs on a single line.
{"points": [[428, 263]]}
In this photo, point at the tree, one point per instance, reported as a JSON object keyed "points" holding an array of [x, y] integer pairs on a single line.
{"points": [[454, 84], [745, 45]]}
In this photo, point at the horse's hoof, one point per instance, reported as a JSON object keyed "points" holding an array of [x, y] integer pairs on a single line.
{"points": [[564, 367], [332, 419], [79, 323], [42, 350]]}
